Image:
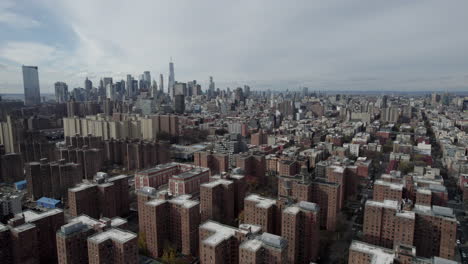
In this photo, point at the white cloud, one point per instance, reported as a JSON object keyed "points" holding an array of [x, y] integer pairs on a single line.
{"points": [[11, 18], [28, 53], [273, 43]]}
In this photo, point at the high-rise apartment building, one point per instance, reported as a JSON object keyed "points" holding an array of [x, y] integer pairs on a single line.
{"points": [[32, 93], [364, 253], [217, 201], [261, 211], [106, 197], [220, 243], [113, 246], [325, 194], [432, 230], [162, 219], [51, 179], [46, 223], [265, 248], [216, 162], [72, 247], [300, 227]]}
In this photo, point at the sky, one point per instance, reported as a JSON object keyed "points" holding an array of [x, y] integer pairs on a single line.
{"points": [[396, 45]]}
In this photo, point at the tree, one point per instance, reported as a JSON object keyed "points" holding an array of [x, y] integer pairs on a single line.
{"points": [[241, 217], [142, 247], [405, 167]]}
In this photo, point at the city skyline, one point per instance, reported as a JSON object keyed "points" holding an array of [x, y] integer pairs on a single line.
{"points": [[394, 45]]}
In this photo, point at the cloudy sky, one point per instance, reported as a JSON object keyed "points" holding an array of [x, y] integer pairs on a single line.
{"points": [[325, 45]]}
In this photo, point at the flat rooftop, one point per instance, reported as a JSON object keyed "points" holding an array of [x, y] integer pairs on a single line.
{"points": [[379, 255], [113, 234], [31, 216], [262, 202]]}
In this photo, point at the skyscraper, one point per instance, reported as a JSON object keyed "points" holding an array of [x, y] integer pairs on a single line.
{"points": [[170, 87], [211, 88], [88, 84], [129, 86], [161, 83], [32, 93], [154, 89], [147, 78], [61, 92]]}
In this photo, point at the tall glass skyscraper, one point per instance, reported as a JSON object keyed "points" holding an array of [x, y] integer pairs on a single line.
{"points": [[32, 93], [170, 85]]}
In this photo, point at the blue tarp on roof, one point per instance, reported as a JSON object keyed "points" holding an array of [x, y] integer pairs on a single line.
{"points": [[48, 202], [21, 185]]}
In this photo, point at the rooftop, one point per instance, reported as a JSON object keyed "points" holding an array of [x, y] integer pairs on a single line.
{"points": [[113, 234], [262, 202], [184, 201], [216, 183], [31, 216], [220, 232], [379, 255], [386, 203]]}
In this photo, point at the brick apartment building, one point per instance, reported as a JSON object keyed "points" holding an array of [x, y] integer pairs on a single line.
{"points": [[259, 138], [300, 226], [30, 237], [51, 179], [72, 246], [114, 246], [261, 211], [432, 230], [183, 178], [106, 197], [217, 201], [364, 253], [253, 165], [162, 219], [325, 194], [219, 244], [265, 248], [216, 162]]}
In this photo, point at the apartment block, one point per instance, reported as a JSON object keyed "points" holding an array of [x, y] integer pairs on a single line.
{"points": [[431, 229], [300, 227], [265, 248], [217, 201], [51, 179], [162, 219], [161, 174], [216, 162], [261, 211], [219, 244], [114, 246], [325, 194], [72, 246], [364, 253], [106, 197]]}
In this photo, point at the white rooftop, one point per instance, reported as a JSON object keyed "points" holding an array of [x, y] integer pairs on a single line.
{"points": [[262, 202], [216, 183], [31, 216], [221, 232], [114, 234], [184, 201], [386, 203], [394, 186], [89, 221], [379, 255], [406, 214]]}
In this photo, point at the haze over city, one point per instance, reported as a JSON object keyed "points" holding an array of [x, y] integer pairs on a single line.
{"points": [[278, 45]]}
